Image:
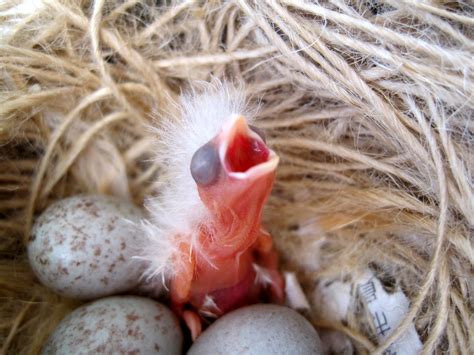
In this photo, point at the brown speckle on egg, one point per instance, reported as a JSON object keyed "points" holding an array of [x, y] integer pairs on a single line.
{"points": [[116, 325], [75, 240]]}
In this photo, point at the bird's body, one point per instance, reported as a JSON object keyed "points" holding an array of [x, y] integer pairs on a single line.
{"points": [[212, 246]]}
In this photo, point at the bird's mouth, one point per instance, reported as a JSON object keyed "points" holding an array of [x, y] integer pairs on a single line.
{"points": [[244, 152]]}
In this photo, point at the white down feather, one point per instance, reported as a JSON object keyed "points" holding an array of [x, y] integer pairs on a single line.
{"points": [[178, 210]]}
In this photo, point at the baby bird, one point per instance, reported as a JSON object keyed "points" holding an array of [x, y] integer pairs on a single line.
{"points": [[204, 233]]}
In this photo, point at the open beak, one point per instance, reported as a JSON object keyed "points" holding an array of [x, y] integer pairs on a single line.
{"points": [[234, 173], [243, 152]]}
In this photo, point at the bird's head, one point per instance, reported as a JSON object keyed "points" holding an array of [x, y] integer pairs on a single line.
{"points": [[234, 173]]}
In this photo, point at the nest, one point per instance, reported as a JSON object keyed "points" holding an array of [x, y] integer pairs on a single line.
{"points": [[368, 103]]}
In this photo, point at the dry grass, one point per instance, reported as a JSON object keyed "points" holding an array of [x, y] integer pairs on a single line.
{"points": [[369, 104]]}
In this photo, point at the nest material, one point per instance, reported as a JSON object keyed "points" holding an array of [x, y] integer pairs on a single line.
{"points": [[368, 103]]}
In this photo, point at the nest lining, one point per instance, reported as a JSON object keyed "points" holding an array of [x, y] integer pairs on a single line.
{"points": [[368, 103]]}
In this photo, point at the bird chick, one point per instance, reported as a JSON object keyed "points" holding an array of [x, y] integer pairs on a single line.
{"points": [[205, 232]]}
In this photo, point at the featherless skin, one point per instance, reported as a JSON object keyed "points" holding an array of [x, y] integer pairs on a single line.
{"points": [[204, 233]]}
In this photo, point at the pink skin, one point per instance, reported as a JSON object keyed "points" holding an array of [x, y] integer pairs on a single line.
{"points": [[235, 243]]}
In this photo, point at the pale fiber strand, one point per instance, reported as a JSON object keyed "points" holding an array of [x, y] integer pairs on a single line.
{"points": [[459, 172], [138, 62], [80, 145], [462, 345], [241, 34], [307, 118], [107, 79], [29, 56], [146, 175], [416, 69], [456, 59], [54, 140], [219, 26], [130, 55], [349, 154], [14, 328], [442, 306], [459, 301], [162, 20], [47, 33], [440, 12], [438, 254], [141, 147], [331, 80], [419, 71], [445, 27], [47, 75], [120, 10], [33, 99], [313, 72], [211, 59], [359, 85], [361, 88]]}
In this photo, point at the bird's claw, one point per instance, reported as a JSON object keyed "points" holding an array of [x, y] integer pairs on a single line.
{"points": [[193, 322]]}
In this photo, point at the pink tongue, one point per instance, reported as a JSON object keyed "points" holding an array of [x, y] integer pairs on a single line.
{"points": [[244, 152]]}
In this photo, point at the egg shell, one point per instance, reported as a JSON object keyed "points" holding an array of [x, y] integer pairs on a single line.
{"points": [[82, 247], [259, 329], [117, 325]]}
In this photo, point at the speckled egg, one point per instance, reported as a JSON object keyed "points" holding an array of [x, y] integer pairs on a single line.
{"points": [[117, 325], [82, 247], [259, 329]]}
